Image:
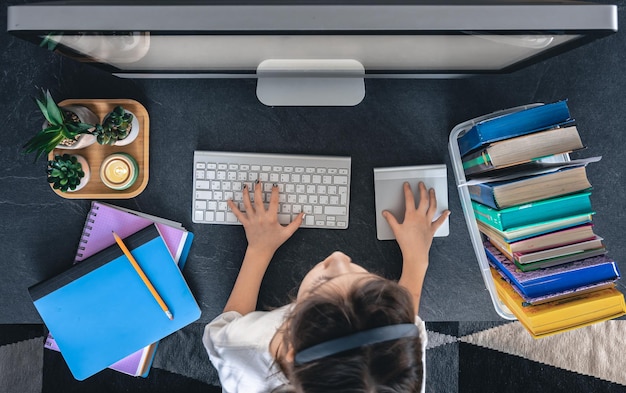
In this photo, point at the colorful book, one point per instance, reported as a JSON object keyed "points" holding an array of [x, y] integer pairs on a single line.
{"points": [[564, 314], [102, 219], [561, 260], [554, 253], [502, 194], [557, 278], [100, 310], [522, 149], [513, 124], [532, 230], [541, 242], [534, 212]]}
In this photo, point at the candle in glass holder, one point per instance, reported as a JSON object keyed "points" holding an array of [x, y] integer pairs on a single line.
{"points": [[119, 171]]}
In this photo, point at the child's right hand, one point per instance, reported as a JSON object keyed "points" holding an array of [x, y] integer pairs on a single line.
{"points": [[415, 234]]}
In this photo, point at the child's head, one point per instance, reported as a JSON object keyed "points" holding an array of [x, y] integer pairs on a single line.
{"points": [[337, 299]]}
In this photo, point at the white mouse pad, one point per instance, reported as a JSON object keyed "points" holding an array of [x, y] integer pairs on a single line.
{"points": [[390, 195]]}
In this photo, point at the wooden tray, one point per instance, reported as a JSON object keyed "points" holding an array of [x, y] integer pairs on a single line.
{"points": [[96, 153]]}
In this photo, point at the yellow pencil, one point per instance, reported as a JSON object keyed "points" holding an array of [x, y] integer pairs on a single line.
{"points": [[145, 280]]}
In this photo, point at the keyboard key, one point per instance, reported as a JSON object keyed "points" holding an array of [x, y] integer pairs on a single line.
{"points": [[335, 210], [204, 195], [340, 180], [284, 219], [203, 185]]}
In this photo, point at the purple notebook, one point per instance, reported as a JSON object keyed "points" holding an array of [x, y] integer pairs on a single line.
{"points": [[104, 218]]}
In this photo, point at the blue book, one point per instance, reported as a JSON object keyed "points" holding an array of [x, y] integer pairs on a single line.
{"points": [[517, 191], [100, 311], [514, 124], [554, 279], [533, 212]]}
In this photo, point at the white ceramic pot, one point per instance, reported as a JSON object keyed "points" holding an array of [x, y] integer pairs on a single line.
{"points": [[134, 132], [85, 115], [85, 166]]}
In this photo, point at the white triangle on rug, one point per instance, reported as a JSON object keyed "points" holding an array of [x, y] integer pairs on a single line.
{"points": [[437, 339], [597, 350]]}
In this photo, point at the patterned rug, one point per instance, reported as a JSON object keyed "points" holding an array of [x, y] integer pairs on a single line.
{"points": [[461, 357]]}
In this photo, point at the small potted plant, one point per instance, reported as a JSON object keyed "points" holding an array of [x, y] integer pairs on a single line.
{"points": [[68, 173], [120, 127], [69, 127]]}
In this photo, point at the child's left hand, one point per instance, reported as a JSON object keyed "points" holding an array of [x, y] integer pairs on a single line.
{"points": [[263, 231]]}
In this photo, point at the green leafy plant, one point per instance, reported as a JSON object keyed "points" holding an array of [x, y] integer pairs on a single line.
{"points": [[63, 126], [65, 172], [116, 126]]}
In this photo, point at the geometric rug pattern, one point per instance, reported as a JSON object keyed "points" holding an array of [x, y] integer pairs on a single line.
{"points": [[460, 357]]}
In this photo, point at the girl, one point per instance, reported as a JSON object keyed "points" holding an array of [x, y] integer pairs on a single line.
{"points": [[348, 330]]}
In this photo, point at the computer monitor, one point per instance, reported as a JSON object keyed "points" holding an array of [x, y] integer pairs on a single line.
{"points": [[307, 52]]}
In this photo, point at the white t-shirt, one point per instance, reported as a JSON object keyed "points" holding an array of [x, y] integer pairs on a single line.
{"points": [[238, 347]]}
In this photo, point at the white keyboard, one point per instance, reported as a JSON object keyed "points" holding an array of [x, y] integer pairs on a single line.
{"points": [[316, 185]]}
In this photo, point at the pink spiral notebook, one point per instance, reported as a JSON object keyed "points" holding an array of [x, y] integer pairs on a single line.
{"points": [[101, 220]]}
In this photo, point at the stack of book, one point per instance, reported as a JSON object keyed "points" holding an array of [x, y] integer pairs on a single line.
{"points": [[100, 313], [532, 205]]}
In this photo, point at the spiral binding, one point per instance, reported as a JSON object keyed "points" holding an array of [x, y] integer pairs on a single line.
{"points": [[86, 232]]}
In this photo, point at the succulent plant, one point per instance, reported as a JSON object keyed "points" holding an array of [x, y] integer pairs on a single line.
{"points": [[116, 126], [62, 126], [64, 172]]}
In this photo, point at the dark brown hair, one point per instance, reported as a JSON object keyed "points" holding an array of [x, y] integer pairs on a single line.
{"points": [[392, 366]]}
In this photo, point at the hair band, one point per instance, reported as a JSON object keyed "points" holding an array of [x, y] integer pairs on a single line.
{"points": [[356, 340]]}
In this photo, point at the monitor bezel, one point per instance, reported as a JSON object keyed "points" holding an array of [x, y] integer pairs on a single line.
{"points": [[589, 20]]}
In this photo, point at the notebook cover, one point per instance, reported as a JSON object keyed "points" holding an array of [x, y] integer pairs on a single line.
{"points": [[104, 218], [100, 311]]}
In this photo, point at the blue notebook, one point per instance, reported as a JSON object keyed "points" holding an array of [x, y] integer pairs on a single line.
{"points": [[100, 311]]}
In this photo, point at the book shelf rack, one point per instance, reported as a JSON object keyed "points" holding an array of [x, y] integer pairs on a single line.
{"points": [[466, 204]]}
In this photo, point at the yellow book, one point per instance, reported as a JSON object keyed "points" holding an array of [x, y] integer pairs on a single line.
{"points": [[564, 314]]}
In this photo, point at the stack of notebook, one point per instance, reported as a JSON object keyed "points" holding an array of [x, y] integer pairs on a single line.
{"points": [[533, 208], [99, 312]]}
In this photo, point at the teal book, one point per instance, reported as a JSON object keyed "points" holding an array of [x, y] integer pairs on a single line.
{"points": [[100, 311], [534, 212], [514, 124], [536, 229]]}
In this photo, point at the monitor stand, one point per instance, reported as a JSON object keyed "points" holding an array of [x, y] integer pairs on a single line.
{"points": [[289, 82]]}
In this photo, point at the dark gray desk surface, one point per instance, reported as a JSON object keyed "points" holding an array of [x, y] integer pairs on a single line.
{"points": [[400, 122]]}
